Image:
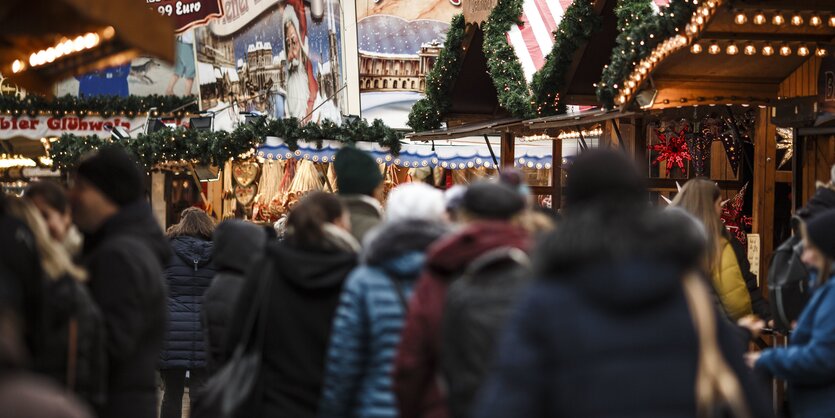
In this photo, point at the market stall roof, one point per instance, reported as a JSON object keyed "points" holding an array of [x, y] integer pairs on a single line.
{"points": [[729, 52], [118, 31], [489, 127], [573, 121]]}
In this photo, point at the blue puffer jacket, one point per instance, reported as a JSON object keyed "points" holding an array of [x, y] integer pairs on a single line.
{"points": [[808, 363], [368, 321], [188, 275]]}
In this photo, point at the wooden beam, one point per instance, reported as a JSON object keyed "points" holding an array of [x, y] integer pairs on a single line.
{"points": [[508, 145], [556, 174], [765, 168], [658, 183]]}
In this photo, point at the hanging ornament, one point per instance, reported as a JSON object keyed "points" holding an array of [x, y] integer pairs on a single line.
{"points": [[699, 143], [733, 217], [732, 150], [784, 142], [673, 148]]}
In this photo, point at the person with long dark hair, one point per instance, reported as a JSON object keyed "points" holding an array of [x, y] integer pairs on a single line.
{"points": [[306, 273], [189, 274]]}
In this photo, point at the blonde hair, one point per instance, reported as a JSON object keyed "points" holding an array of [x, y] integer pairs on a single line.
{"points": [[194, 222], [698, 197], [55, 260]]}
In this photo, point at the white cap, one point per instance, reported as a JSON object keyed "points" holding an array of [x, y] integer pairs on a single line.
{"points": [[415, 201]]}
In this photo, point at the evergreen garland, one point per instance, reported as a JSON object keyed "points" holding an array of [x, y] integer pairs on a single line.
{"points": [[632, 12], [33, 105], [637, 40], [206, 147], [503, 64], [578, 24], [426, 113]]}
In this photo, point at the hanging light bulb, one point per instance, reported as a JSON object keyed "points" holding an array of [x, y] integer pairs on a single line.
{"points": [[797, 20], [832, 21], [759, 19], [803, 50], [821, 52], [815, 21], [696, 48], [785, 50], [778, 20], [732, 49], [750, 49], [740, 18], [768, 50], [714, 49]]}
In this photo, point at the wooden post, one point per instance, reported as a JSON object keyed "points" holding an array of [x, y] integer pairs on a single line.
{"points": [[508, 149], [158, 196], [556, 174], [765, 153]]}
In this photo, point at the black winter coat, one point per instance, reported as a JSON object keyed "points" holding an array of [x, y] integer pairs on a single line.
{"points": [[237, 245], [188, 275], [607, 332], [124, 259], [304, 295]]}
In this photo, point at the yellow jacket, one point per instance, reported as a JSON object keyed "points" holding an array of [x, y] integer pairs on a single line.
{"points": [[730, 284]]}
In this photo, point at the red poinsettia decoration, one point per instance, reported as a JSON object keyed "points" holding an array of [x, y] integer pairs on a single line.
{"points": [[733, 217], [673, 149]]}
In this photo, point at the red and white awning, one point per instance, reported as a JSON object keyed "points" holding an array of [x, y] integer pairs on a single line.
{"points": [[533, 39]]}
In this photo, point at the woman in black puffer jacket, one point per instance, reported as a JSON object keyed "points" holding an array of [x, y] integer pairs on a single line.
{"points": [[188, 274]]}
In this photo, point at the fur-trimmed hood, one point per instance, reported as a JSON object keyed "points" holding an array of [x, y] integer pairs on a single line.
{"points": [[400, 247]]}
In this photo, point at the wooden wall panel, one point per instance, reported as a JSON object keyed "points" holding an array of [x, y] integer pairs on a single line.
{"points": [[765, 167], [819, 156], [804, 80]]}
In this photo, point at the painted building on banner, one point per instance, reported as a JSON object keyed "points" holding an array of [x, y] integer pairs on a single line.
{"points": [[398, 72]]}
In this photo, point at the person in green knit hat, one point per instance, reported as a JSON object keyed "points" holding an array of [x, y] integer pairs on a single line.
{"points": [[360, 186]]}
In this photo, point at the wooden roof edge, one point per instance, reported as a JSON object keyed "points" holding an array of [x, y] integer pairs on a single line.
{"points": [[489, 127]]}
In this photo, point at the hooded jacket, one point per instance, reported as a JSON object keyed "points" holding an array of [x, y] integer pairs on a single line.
{"points": [[189, 274], [808, 363], [366, 213], [124, 259], [417, 366], [730, 285], [237, 245], [303, 297], [607, 332], [369, 319]]}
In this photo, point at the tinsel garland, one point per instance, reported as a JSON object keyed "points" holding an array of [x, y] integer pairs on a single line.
{"points": [[206, 147], [426, 113], [578, 24], [105, 106], [637, 41], [503, 64]]}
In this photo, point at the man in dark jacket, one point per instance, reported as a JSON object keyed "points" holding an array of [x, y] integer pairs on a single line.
{"points": [[487, 208], [608, 331], [237, 245], [360, 183], [124, 251]]}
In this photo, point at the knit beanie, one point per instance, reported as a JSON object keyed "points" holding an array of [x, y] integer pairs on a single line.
{"points": [[488, 200], [415, 201], [603, 176], [356, 172], [821, 232], [115, 174]]}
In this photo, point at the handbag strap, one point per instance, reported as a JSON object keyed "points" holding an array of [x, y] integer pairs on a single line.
{"points": [[715, 381], [259, 310]]}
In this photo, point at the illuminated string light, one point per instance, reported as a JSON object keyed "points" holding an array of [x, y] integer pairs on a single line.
{"points": [[740, 19], [696, 48], [815, 21], [714, 49], [768, 50], [803, 50], [785, 50], [732, 49], [759, 19], [750, 49], [797, 20], [778, 20]]}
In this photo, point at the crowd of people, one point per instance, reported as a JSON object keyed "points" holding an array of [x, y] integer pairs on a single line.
{"points": [[467, 303]]}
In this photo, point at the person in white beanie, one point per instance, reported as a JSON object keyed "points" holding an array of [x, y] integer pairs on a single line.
{"points": [[372, 308]]}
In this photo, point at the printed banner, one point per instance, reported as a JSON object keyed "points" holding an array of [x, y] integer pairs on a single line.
{"points": [[281, 58], [46, 126], [399, 41], [188, 13]]}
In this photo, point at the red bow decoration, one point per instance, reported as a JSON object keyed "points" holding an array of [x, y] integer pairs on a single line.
{"points": [[673, 149]]}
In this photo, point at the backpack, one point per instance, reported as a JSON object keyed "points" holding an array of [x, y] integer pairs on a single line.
{"points": [[477, 306], [788, 285]]}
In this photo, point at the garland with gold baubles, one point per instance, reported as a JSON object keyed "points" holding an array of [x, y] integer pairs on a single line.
{"points": [[105, 106], [215, 148]]}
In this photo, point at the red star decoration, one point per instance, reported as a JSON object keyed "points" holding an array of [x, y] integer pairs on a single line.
{"points": [[673, 149], [733, 217]]}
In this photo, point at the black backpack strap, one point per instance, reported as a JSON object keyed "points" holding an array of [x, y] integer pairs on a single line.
{"points": [[497, 255]]}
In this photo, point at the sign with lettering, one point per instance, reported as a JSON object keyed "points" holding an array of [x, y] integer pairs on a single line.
{"points": [[188, 13], [49, 126], [826, 85], [477, 11], [754, 254]]}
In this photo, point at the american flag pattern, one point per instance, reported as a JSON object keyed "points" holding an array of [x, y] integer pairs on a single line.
{"points": [[533, 39]]}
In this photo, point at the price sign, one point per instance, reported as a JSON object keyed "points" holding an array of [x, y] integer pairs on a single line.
{"points": [[188, 13]]}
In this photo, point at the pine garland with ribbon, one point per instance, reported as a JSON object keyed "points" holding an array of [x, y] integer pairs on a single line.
{"points": [[33, 105], [426, 113], [502, 63], [637, 40], [578, 25], [206, 147]]}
